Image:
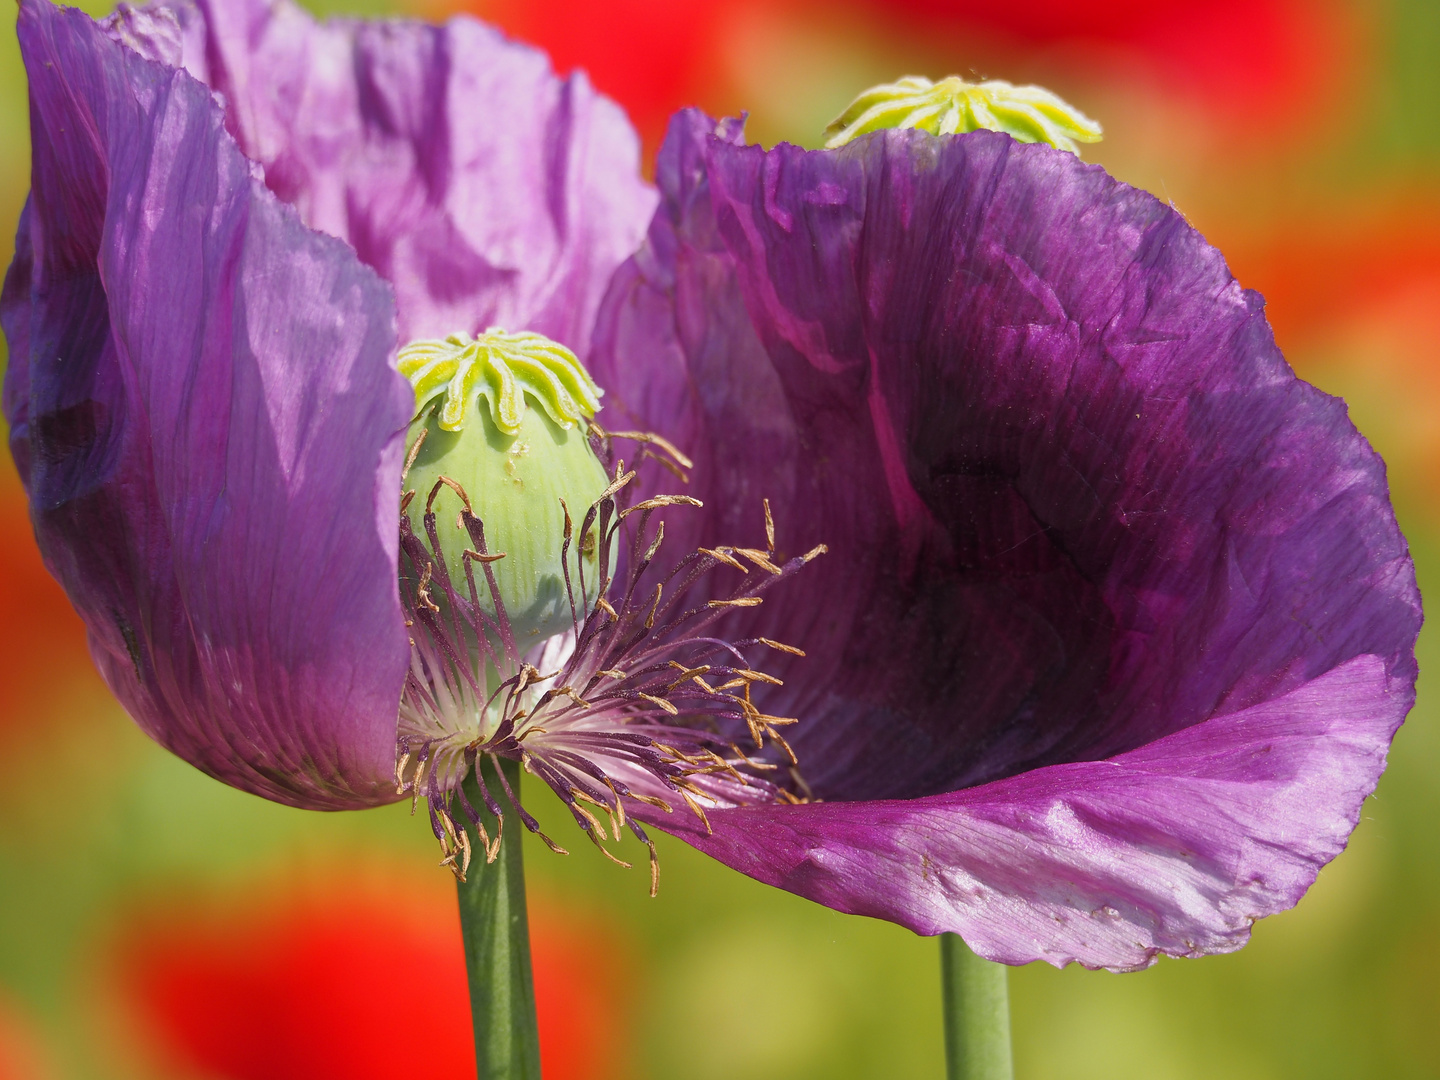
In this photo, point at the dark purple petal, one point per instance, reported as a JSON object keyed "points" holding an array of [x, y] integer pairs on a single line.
{"points": [[1076, 502], [487, 190], [206, 416], [1176, 847]]}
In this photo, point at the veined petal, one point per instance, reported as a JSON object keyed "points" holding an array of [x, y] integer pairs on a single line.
{"points": [[1076, 504], [677, 305], [485, 188], [1175, 848], [206, 416]]}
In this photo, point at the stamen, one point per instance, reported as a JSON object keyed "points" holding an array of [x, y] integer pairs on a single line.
{"points": [[618, 807], [801, 784], [699, 811], [760, 559], [674, 462], [655, 544], [775, 738], [465, 861], [454, 486], [720, 555], [649, 438], [477, 557], [622, 478], [644, 706], [791, 649], [410, 461], [671, 709], [657, 501], [418, 781], [604, 851]]}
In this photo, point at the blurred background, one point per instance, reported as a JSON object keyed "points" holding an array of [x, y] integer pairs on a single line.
{"points": [[154, 924]]}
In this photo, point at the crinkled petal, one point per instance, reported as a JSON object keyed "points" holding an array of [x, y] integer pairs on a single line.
{"points": [[486, 189], [1177, 847], [678, 355], [206, 416], [1076, 502]]}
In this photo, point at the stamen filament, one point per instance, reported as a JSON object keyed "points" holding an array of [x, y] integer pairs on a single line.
{"points": [[642, 704]]}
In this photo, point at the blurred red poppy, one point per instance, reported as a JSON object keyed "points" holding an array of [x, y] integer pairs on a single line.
{"points": [[1353, 292], [1335, 261], [1241, 54], [653, 56], [20, 1054], [350, 984], [1246, 60], [40, 634]]}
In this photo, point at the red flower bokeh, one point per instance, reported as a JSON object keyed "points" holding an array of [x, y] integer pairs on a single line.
{"points": [[1252, 63], [1337, 261], [347, 983], [20, 1055], [1246, 57], [1353, 292], [653, 56], [42, 640]]}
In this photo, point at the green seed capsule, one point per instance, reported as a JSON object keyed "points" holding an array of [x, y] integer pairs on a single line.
{"points": [[953, 106], [501, 416]]}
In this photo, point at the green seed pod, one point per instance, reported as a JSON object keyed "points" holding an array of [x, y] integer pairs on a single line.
{"points": [[502, 417], [953, 106]]}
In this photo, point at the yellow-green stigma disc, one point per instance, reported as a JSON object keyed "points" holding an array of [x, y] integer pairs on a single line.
{"points": [[953, 106], [502, 415]]}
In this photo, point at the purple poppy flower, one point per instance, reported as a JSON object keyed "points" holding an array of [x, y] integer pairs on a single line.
{"points": [[1117, 624], [202, 393]]}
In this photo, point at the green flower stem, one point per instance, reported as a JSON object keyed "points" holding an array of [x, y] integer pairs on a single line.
{"points": [[977, 1014], [497, 945]]}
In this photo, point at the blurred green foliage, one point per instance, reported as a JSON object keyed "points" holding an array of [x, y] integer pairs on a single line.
{"points": [[1409, 126]]}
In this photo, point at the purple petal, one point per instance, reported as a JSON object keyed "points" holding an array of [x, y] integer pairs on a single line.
{"points": [[1076, 503], [205, 413], [1176, 847], [484, 188]]}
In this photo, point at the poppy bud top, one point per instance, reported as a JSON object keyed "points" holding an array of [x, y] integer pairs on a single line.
{"points": [[953, 106], [502, 418]]}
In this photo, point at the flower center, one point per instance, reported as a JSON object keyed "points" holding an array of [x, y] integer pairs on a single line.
{"points": [[621, 701], [953, 106]]}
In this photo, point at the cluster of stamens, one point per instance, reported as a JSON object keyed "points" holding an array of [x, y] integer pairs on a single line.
{"points": [[642, 707]]}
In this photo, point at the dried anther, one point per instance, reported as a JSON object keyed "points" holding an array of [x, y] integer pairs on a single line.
{"points": [[638, 709]]}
